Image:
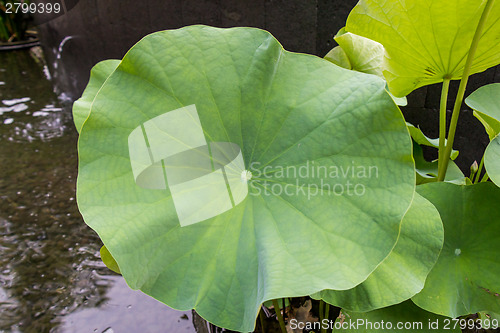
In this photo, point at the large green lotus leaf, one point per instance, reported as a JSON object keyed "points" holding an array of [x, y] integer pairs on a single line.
{"points": [[98, 75], [394, 319], [427, 40], [485, 102], [402, 274], [285, 111], [465, 278]]}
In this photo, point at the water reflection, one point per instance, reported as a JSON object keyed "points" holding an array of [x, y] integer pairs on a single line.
{"points": [[51, 277]]}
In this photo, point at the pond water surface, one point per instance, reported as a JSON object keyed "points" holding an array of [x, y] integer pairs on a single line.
{"points": [[51, 275]]}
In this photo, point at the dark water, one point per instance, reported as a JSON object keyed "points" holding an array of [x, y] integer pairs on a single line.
{"points": [[51, 276]]}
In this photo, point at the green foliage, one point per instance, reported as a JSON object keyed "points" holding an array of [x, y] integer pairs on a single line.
{"points": [[404, 313], [284, 110], [465, 278], [492, 160], [362, 54], [402, 274], [419, 137], [108, 260], [359, 54], [426, 40], [486, 104], [427, 172]]}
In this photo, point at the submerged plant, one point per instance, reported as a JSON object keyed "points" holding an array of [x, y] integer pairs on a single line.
{"points": [[221, 171]]}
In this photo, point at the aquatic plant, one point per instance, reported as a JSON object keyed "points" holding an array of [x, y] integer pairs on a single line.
{"points": [[221, 171]]}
